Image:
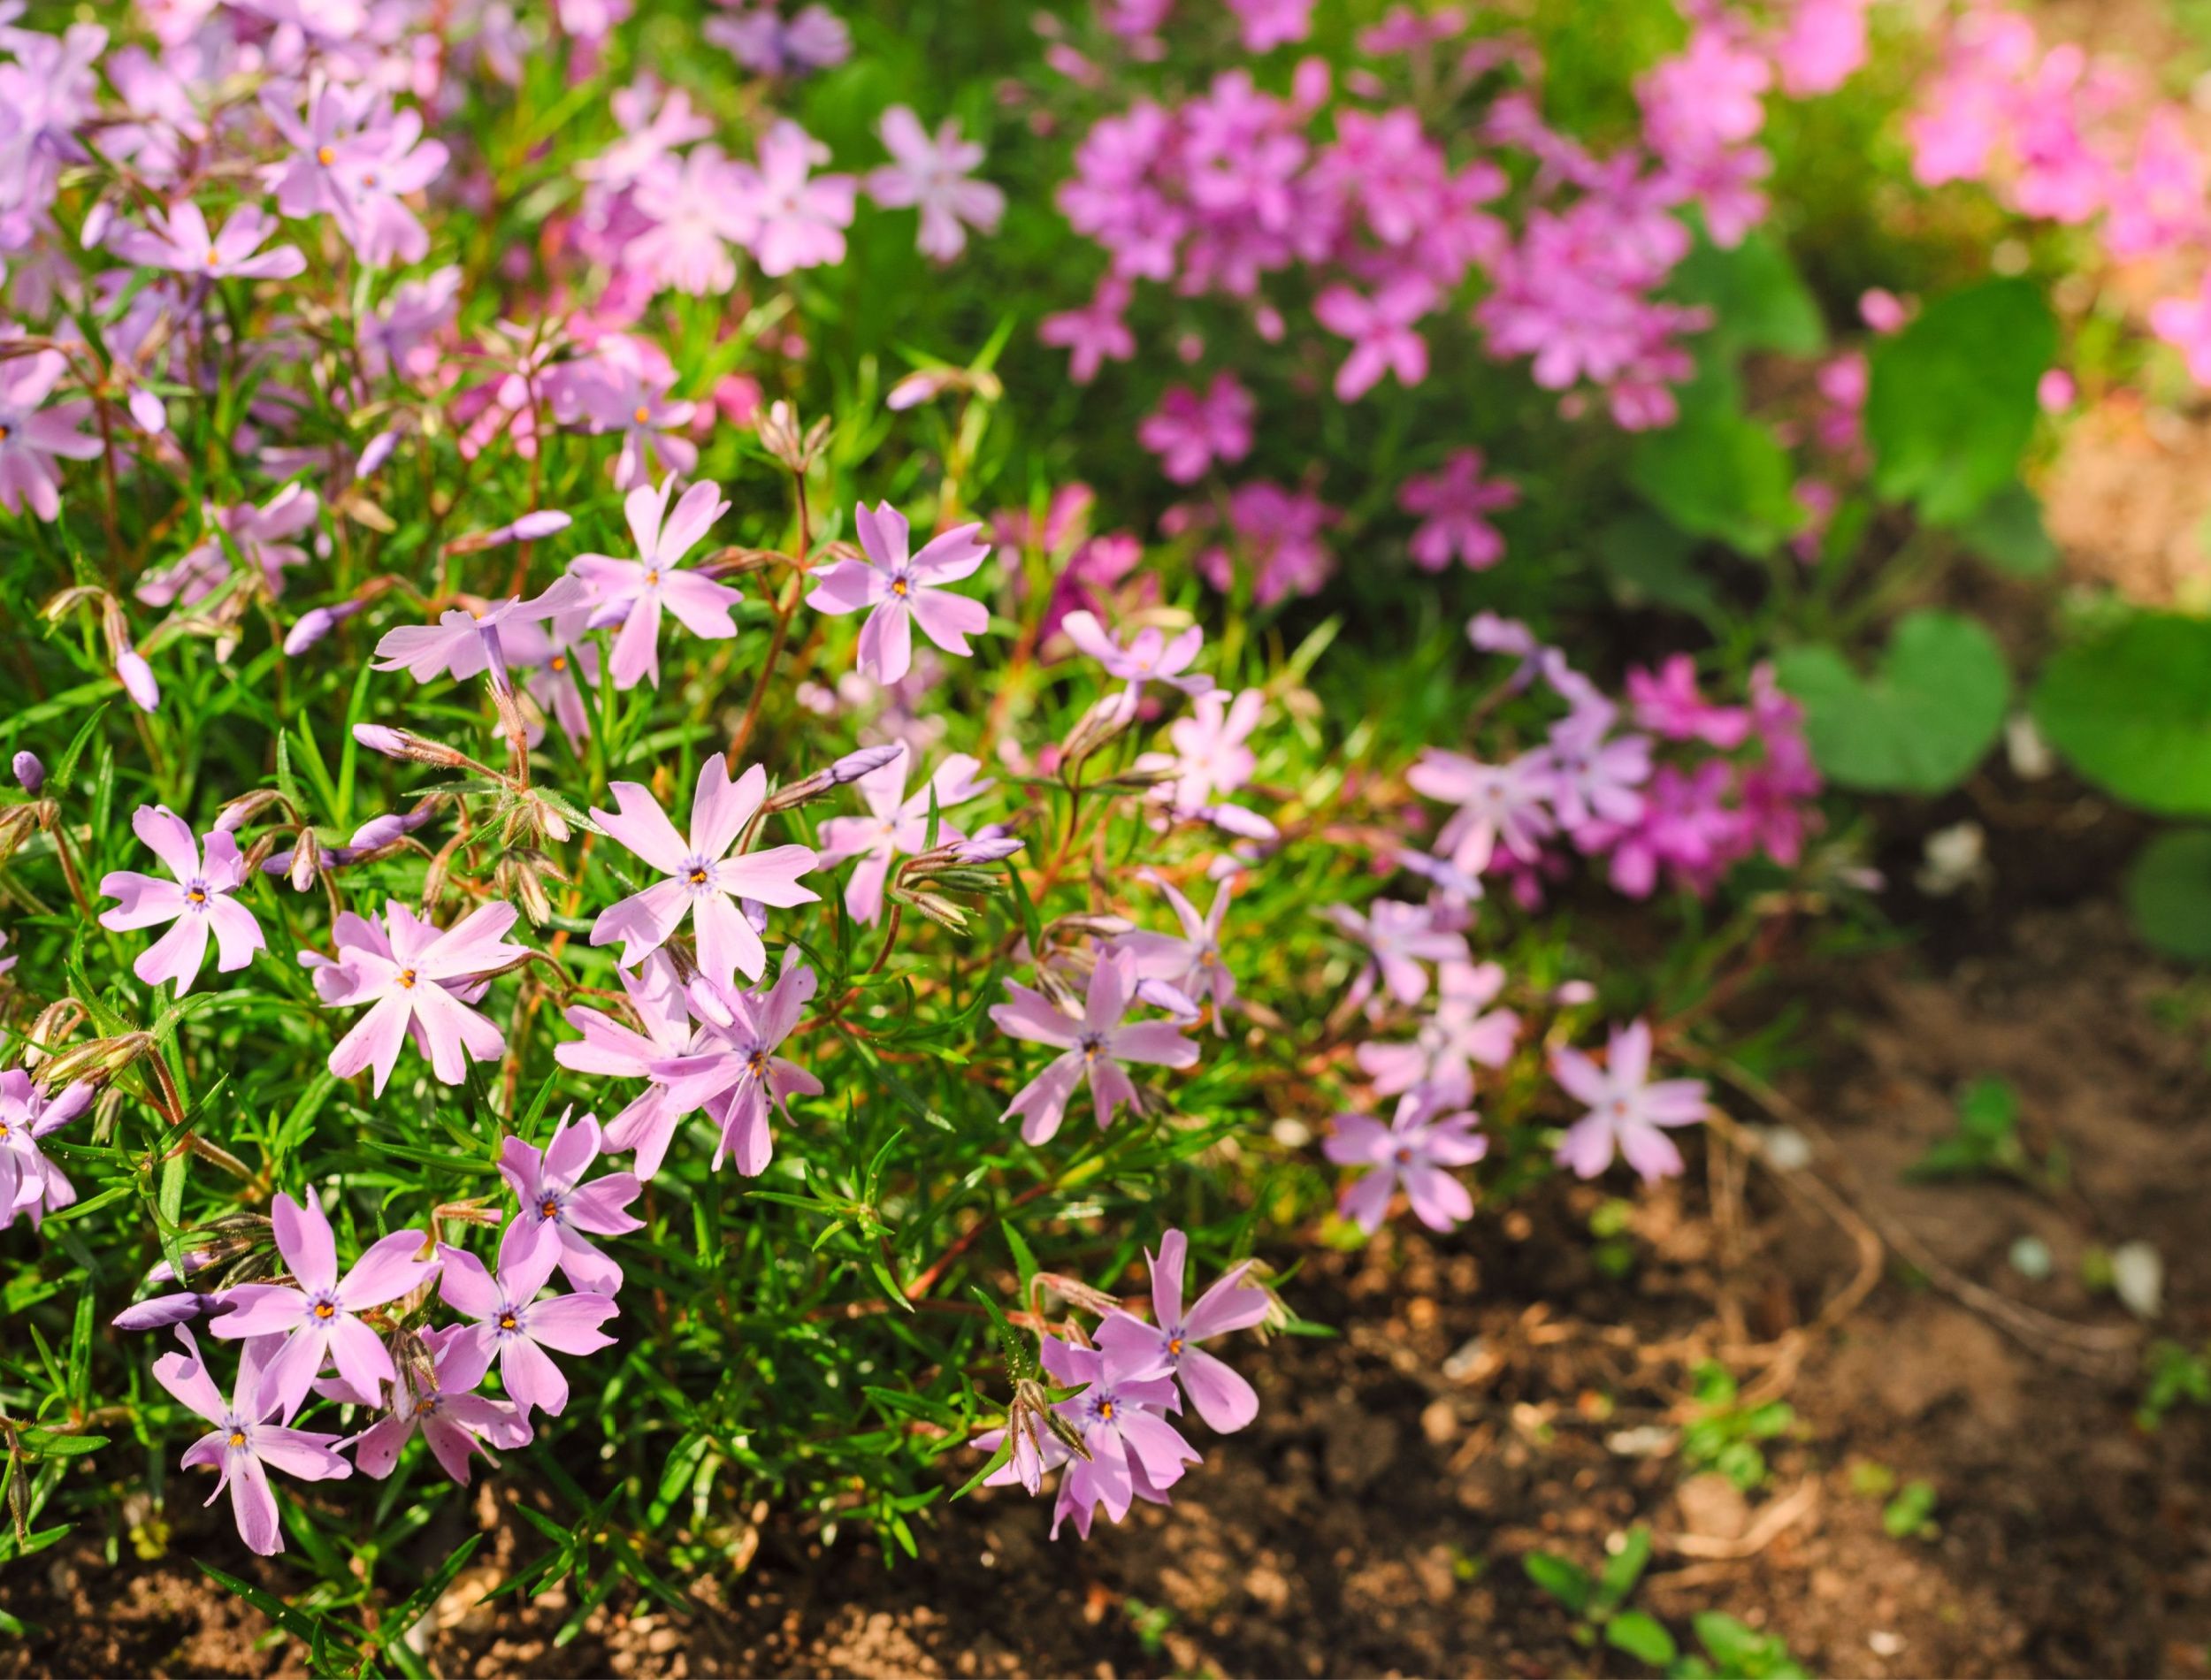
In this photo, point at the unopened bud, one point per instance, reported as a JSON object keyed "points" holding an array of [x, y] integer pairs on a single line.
{"points": [[30, 774], [937, 908], [307, 860], [1100, 724], [234, 814], [405, 743], [137, 678], [778, 429], [95, 1061], [520, 875], [69, 600], [1086, 925], [1077, 1294]]}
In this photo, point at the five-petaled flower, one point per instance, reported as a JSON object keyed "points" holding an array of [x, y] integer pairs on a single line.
{"points": [[1627, 1108], [1223, 1399], [513, 1326], [201, 900], [732, 1070], [1413, 1151], [896, 823], [899, 590], [704, 881], [1094, 1046], [418, 982], [549, 1190], [632, 592]]}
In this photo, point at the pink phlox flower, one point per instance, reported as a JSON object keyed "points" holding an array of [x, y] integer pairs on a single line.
{"points": [[33, 432], [696, 216], [761, 38], [456, 1422], [1405, 30], [417, 982], [633, 592], [201, 900], [1415, 1150], [1278, 538], [2159, 203], [1667, 704], [396, 339], [244, 1445], [1688, 827], [1191, 963], [1822, 46], [703, 880], [1454, 504], [1094, 1046], [935, 174], [623, 387], [1094, 334], [465, 640], [31, 1185], [1149, 656], [1189, 432], [647, 1124], [2184, 323], [1595, 773], [1135, 1452], [655, 122], [511, 1324], [177, 239], [261, 536], [1710, 94], [899, 590], [559, 668], [550, 1190], [2060, 175], [1212, 755], [1965, 110], [732, 1069], [1628, 1108], [788, 217], [318, 1312], [1381, 329], [1268, 24], [1461, 1033], [354, 159], [897, 824], [1399, 938], [1169, 1344]]}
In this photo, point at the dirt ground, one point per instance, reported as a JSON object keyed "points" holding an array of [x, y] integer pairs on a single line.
{"points": [[1503, 1391]]}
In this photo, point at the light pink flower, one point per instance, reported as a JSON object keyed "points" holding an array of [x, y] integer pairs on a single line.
{"points": [[1628, 1108], [732, 1069], [696, 216], [935, 174], [703, 882], [611, 1047], [318, 1312], [1415, 1149], [1095, 1045], [33, 431], [261, 535], [30, 1184], [1507, 802], [1094, 334], [632, 592], [1461, 1032], [1149, 656], [513, 1326], [200, 901], [1190, 966], [416, 980], [465, 641], [1169, 1344], [1400, 937], [899, 590], [244, 1444], [786, 217], [177, 239], [455, 1423], [549, 1190]]}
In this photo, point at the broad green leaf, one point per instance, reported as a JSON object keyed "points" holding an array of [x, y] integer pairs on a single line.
{"points": [[1757, 299], [2169, 894], [1920, 722], [2131, 710], [2006, 531], [1717, 473], [1952, 402]]}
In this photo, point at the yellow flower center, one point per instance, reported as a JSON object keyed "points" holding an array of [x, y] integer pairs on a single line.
{"points": [[237, 1437], [641, 414], [197, 895], [698, 877], [1174, 1346], [1105, 1409], [324, 1310], [506, 1321], [898, 587], [652, 577], [326, 157], [213, 261], [407, 980], [560, 661]]}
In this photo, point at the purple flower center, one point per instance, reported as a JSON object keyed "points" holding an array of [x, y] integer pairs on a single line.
{"points": [[196, 895]]}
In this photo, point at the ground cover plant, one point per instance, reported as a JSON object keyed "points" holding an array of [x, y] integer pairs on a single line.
{"points": [[756, 752]]}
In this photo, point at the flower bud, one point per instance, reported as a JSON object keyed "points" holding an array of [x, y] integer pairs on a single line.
{"points": [[29, 772], [161, 1311], [307, 860], [137, 678], [850, 767], [405, 743], [1101, 723], [317, 621], [234, 814]]}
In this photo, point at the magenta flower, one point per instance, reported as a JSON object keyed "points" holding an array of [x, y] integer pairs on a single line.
{"points": [[649, 1124], [703, 882], [1381, 329], [1149, 657], [179, 239], [549, 1190], [456, 1422], [788, 217], [30, 1184], [732, 1070], [1094, 1045], [1628, 1108], [1189, 432], [1268, 24], [417, 982], [512, 1325], [316, 1313], [935, 175], [632, 592], [1595, 773], [899, 590], [1401, 937], [1094, 334], [1667, 704], [1461, 1033], [1191, 965], [262, 535], [244, 1446], [1224, 1399], [896, 823], [1454, 505], [1414, 1150], [201, 900], [33, 432]]}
